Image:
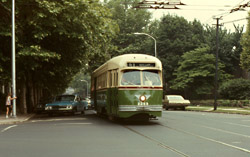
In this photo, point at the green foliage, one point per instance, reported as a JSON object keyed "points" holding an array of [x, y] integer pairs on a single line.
{"points": [[221, 102], [196, 72], [175, 36], [130, 21], [79, 83], [54, 40], [237, 89], [229, 47], [37, 53], [245, 55]]}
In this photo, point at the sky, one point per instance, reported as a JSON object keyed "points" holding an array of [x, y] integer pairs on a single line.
{"points": [[206, 10]]}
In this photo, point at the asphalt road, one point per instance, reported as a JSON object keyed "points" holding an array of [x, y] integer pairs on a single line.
{"points": [[175, 134]]}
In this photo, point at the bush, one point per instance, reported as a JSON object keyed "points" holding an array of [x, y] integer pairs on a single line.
{"points": [[236, 89], [221, 102]]}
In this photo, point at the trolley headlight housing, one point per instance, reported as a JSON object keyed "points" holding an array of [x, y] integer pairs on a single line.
{"points": [[143, 98]]}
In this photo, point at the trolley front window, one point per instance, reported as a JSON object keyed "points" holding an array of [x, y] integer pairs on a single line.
{"points": [[137, 77], [151, 78], [131, 77]]}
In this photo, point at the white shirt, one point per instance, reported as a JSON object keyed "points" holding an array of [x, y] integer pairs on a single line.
{"points": [[8, 100]]}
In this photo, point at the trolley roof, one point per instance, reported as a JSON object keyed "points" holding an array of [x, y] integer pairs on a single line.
{"points": [[121, 62]]}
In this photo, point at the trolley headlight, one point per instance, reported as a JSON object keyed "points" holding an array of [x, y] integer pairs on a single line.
{"points": [[142, 98]]}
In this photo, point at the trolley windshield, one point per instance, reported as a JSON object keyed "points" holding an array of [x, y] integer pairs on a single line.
{"points": [[144, 77]]}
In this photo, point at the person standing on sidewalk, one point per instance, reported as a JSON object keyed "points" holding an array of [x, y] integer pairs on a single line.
{"points": [[8, 104]]}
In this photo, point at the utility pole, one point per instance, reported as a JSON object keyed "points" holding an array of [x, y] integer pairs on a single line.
{"points": [[216, 64]]}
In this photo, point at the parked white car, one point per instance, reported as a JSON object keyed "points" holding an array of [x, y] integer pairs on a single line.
{"points": [[175, 101]]}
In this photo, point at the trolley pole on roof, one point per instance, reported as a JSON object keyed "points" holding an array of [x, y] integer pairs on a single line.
{"points": [[150, 37], [13, 59]]}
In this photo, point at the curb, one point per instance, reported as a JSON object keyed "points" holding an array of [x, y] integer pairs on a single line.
{"points": [[16, 120]]}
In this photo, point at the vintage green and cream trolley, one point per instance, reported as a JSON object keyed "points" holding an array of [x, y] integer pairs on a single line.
{"points": [[128, 86]]}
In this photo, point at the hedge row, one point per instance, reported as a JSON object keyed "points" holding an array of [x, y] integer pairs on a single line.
{"points": [[228, 103]]}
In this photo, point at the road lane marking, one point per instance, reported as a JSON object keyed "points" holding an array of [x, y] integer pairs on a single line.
{"points": [[209, 139], [248, 120], [12, 126], [225, 131], [74, 123], [238, 124]]}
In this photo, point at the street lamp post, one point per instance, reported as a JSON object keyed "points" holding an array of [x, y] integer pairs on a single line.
{"points": [[150, 37], [13, 59], [87, 87]]}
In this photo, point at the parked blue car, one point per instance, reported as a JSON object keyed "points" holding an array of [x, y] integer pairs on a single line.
{"points": [[66, 104]]}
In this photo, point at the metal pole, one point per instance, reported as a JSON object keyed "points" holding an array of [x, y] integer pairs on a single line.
{"points": [[150, 37], [155, 49], [13, 59]]}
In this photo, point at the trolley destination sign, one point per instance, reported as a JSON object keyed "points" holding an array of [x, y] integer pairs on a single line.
{"points": [[141, 64]]}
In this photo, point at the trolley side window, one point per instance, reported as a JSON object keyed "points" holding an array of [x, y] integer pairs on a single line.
{"points": [[151, 78], [110, 78], [131, 77], [116, 78]]}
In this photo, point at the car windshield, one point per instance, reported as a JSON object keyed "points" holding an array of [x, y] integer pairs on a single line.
{"points": [[65, 98], [175, 98]]}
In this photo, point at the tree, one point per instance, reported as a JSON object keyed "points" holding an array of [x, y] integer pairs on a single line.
{"points": [[196, 73], [175, 36], [55, 39], [5, 40], [80, 85], [229, 47], [130, 20], [245, 55]]}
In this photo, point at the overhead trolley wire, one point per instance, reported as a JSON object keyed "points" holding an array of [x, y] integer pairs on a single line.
{"points": [[235, 20]]}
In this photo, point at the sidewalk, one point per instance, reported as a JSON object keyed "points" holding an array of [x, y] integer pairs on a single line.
{"points": [[17, 119]]}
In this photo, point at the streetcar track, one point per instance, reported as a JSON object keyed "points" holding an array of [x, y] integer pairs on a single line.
{"points": [[208, 139], [188, 133], [225, 131], [163, 145]]}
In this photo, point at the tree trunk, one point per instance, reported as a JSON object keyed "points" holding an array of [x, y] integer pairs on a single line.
{"points": [[30, 94], [35, 95], [23, 101]]}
